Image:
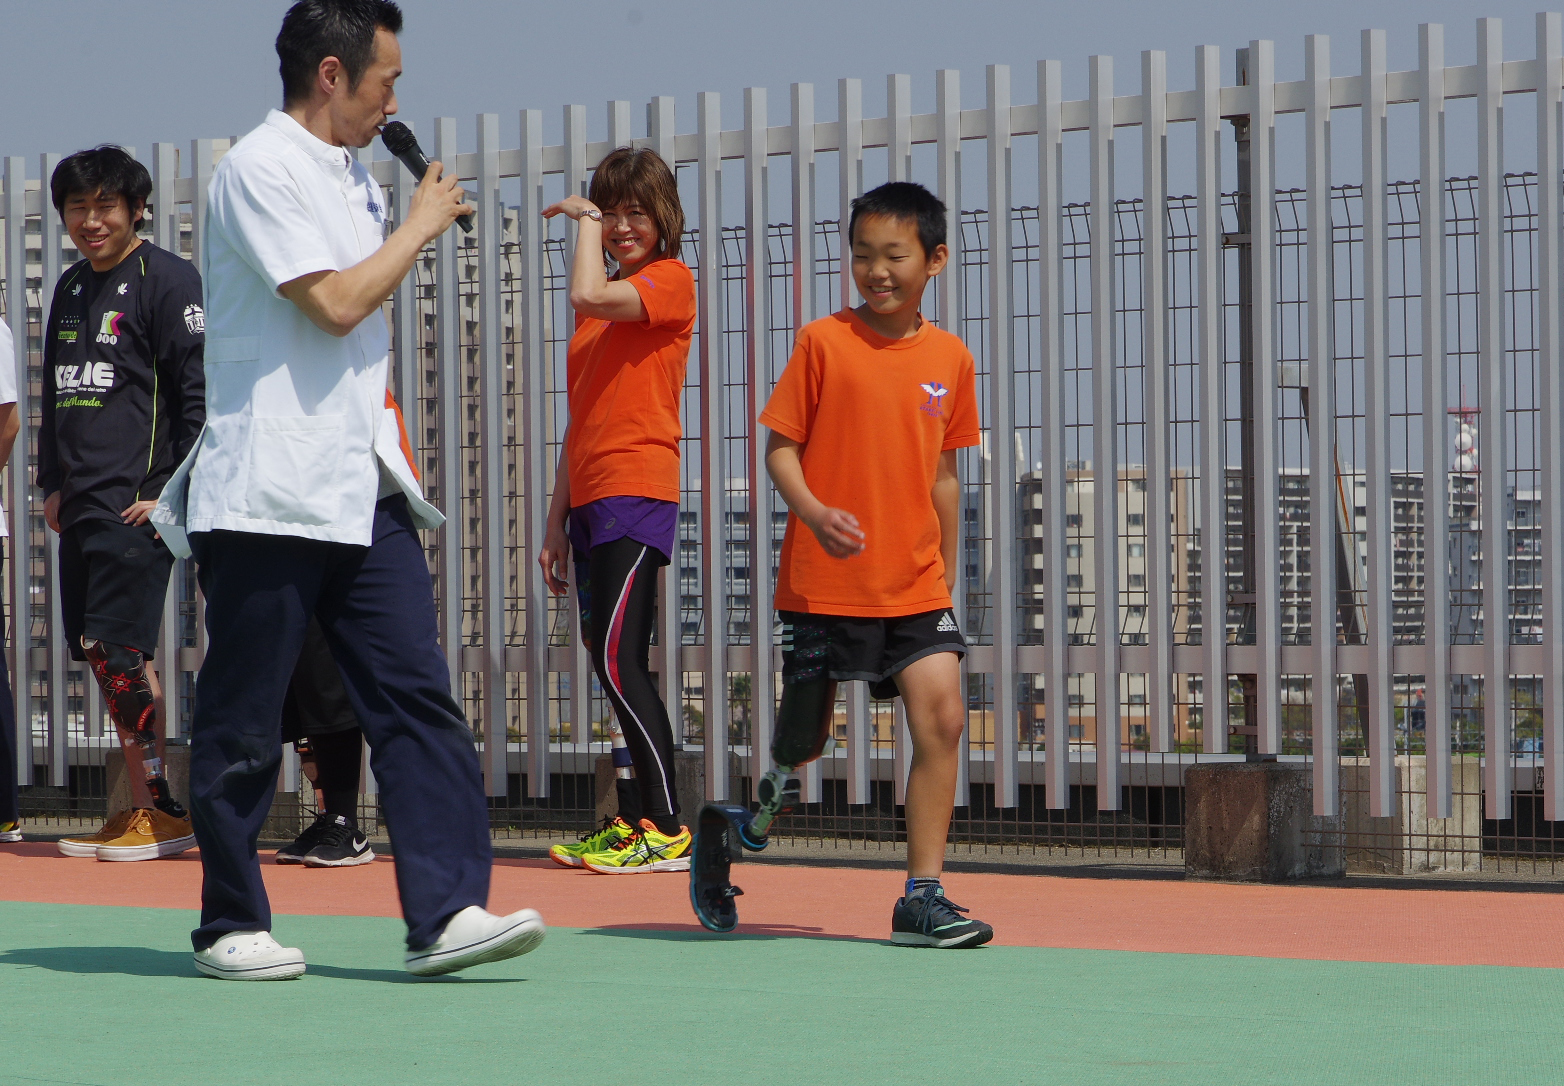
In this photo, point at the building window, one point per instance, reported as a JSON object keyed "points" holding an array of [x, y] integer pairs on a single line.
{"points": [[1072, 550], [1137, 550]]}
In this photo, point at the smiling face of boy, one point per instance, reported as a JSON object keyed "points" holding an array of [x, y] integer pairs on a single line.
{"points": [[890, 266]]}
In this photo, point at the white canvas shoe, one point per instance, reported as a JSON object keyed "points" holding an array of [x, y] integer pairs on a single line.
{"points": [[474, 936], [250, 955]]}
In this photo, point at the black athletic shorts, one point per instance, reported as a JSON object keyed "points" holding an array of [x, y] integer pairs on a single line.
{"points": [[316, 702], [843, 647], [113, 581]]}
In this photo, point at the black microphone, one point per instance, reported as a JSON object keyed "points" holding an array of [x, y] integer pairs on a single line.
{"points": [[401, 142]]}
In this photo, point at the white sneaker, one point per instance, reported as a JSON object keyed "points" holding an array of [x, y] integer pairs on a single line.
{"points": [[250, 955], [10, 833], [474, 936]]}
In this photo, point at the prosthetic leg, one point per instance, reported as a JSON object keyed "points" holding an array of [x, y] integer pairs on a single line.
{"points": [[121, 672], [725, 831]]}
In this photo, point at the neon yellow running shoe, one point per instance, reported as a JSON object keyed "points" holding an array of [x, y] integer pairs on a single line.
{"points": [[643, 851], [612, 832]]}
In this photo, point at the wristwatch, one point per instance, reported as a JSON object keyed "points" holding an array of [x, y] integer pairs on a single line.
{"points": [[592, 213]]}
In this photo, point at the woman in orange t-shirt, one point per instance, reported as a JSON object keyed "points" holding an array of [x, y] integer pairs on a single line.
{"points": [[615, 510]]}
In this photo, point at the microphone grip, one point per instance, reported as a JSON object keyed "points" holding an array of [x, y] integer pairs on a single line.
{"points": [[418, 166]]}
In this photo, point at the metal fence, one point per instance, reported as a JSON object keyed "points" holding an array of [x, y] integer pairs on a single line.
{"points": [[1128, 338]]}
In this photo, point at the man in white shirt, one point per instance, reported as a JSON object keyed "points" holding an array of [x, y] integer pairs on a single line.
{"points": [[10, 424], [300, 501]]}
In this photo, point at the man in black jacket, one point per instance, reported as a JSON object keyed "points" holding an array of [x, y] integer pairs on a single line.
{"points": [[123, 402]]}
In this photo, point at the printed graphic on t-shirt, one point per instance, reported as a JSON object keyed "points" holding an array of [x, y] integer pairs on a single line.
{"points": [[937, 393], [195, 320], [108, 332]]}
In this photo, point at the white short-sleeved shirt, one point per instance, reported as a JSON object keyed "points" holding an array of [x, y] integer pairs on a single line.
{"points": [[298, 434], [7, 389]]}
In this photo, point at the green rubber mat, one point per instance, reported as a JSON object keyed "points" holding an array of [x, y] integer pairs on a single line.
{"points": [[108, 996]]}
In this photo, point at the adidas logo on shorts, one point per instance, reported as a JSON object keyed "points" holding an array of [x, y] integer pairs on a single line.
{"points": [[947, 624]]}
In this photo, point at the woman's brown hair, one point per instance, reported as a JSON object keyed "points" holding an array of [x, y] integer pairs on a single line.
{"points": [[638, 175]]}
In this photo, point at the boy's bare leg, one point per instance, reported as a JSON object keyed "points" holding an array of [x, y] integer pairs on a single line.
{"points": [[936, 713], [135, 770]]}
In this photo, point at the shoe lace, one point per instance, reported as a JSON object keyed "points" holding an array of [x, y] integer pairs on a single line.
{"points": [[316, 831], [938, 910], [335, 834], [635, 837], [600, 835]]}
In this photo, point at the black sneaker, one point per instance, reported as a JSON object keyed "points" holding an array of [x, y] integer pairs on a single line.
{"points": [[711, 858], [932, 919], [295, 853], [341, 845]]}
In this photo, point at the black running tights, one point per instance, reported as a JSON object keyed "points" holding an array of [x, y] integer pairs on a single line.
{"points": [[618, 586]]}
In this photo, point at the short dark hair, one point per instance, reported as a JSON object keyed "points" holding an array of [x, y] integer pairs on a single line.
{"points": [[107, 169], [908, 202], [316, 29], [638, 175]]}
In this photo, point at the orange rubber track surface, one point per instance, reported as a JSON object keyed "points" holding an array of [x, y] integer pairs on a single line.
{"points": [[1414, 926]]}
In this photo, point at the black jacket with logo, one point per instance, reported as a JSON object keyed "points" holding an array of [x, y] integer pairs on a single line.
{"points": [[124, 393]]}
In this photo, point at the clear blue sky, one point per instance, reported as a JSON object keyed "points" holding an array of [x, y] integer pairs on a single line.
{"points": [[82, 72]]}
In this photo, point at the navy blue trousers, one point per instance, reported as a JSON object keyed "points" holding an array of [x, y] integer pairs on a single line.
{"points": [[375, 605]]}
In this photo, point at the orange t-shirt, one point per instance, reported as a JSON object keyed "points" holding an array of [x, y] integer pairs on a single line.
{"points": [[624, 379], [873, 415]]}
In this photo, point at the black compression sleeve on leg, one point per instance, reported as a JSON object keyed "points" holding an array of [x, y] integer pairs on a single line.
{"points": [[624, 597]]}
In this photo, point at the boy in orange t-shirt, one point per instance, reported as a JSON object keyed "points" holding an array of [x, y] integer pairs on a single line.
{"points": [[865, 424]]}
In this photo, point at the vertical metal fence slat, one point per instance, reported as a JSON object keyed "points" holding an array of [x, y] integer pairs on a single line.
{"points": [[714, 477], [1105, 436], [533, 432], [20, 468], [1550, 356], [670, 637], [448, 364], [757, 343], [1492, 382], [1053, 454], [1001, 440], [575, 130], [1159, 541], [496, 556], [50, 230], [660, 127], [947, 152], [1262, 225], [1212, 399], [802, 164], [1322, 426], [849, 112], [203, 155], [405, 328], [166, 236], [898, 113], [898, 152], [618, 124], [1376, 426], [1436, 457]]}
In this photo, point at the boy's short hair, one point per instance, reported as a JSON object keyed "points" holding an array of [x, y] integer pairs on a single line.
{"points": [[906, 201], [313, 30], [638, 175], [107, 169]]}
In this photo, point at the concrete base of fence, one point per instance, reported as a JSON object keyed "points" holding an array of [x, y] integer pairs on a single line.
{"points": [[689, 779], [1255, 822], [176, 767], [1409, 841]]}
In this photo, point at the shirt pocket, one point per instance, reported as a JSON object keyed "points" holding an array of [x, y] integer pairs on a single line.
{"points": [[295, 467]]}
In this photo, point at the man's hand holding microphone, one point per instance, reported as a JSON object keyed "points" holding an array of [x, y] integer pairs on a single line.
{"points": [[337, 301]]}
